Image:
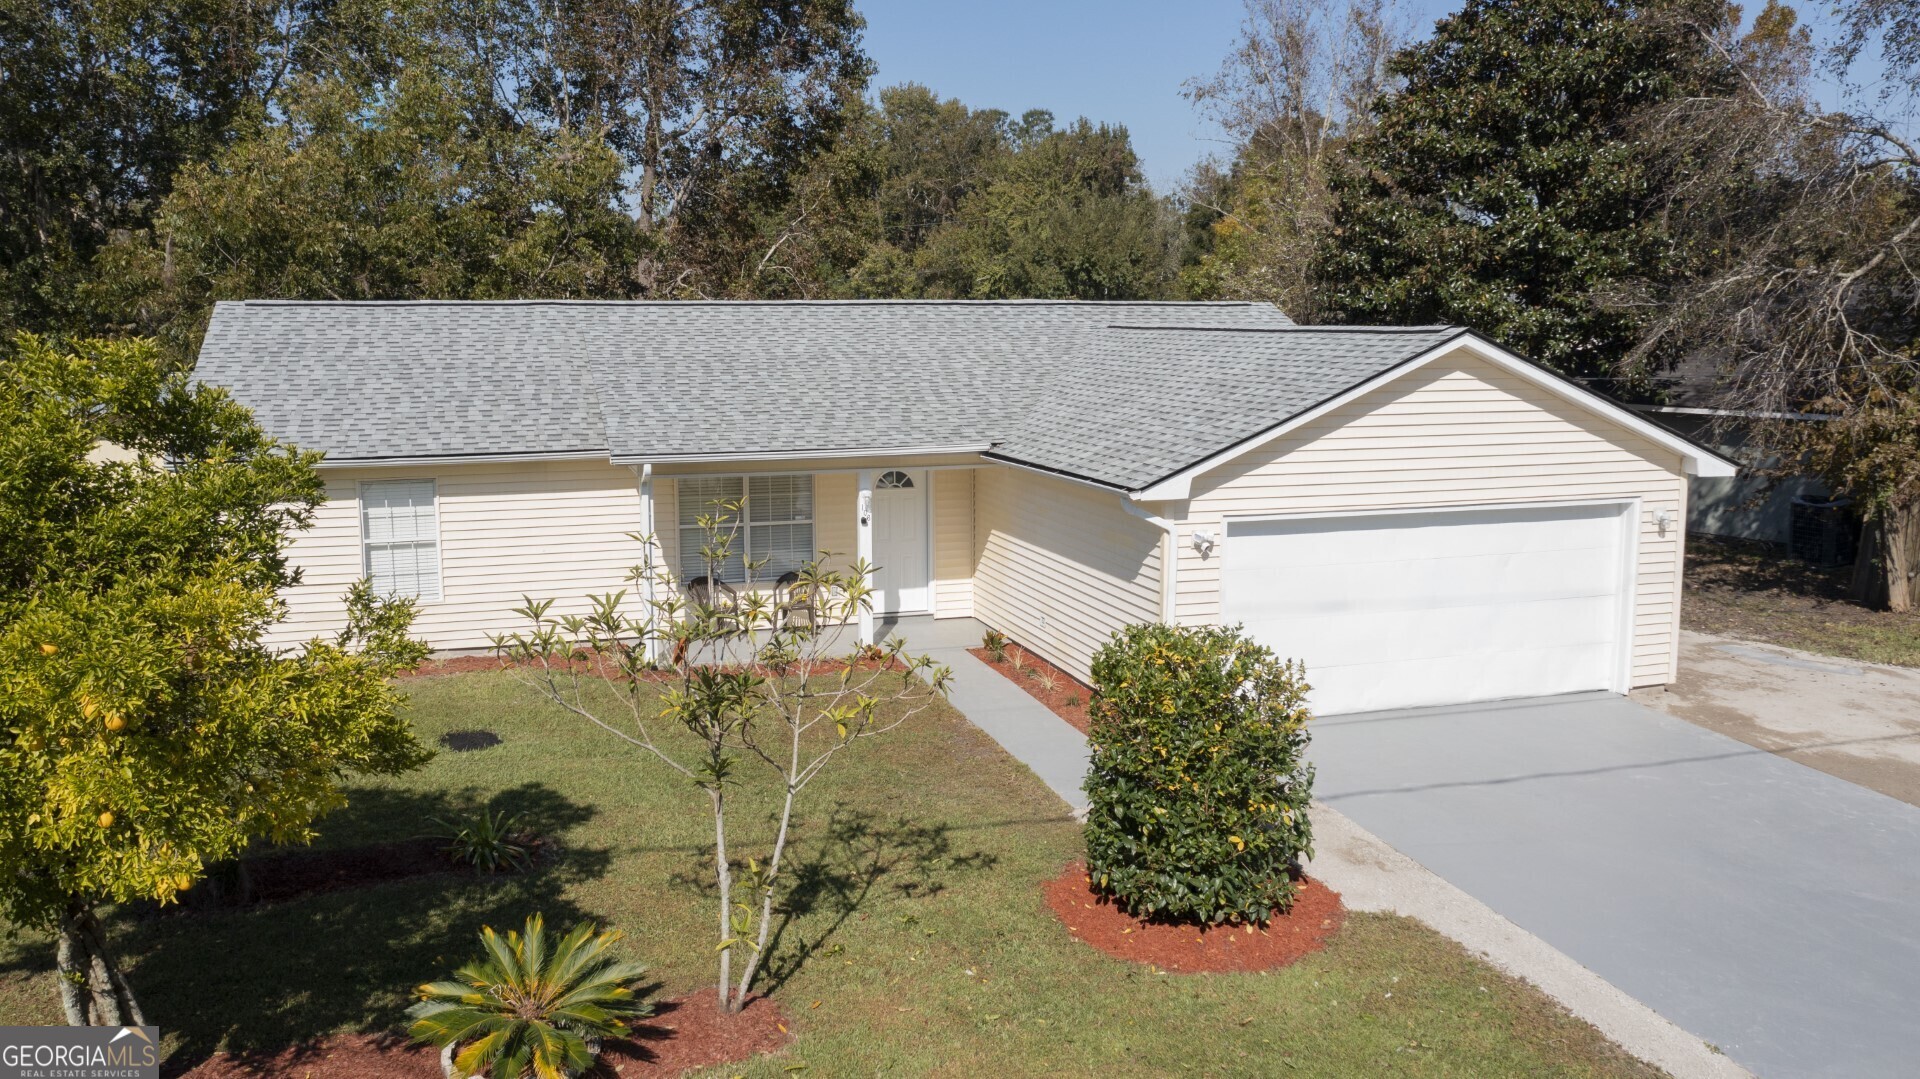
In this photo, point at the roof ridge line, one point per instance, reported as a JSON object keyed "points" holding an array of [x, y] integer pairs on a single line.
{"points": [[908, 302], [1433, 328]]}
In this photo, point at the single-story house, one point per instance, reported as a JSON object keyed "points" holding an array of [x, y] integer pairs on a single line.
{"points": [[1418, 515]]}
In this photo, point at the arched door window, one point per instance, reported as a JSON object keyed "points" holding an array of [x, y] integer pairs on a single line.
{"points": [[895, 480]]}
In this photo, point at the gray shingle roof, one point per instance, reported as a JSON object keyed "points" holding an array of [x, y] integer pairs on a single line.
{"points": [[1119, 393], [791, 378], [1136, 404], [383, 380]]}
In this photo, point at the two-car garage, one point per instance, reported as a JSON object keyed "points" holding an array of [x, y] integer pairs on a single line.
{"points": [[1440, 606]]}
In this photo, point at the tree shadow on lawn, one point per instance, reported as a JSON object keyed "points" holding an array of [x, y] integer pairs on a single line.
{"points": [[857, 862], [262, 978]]}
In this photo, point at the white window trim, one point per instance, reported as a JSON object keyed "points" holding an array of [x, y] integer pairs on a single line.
{"points": [[746, 524], [439, 546]]}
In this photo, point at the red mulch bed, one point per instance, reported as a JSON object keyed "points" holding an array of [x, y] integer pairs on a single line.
{"points": [[284, 875], [1091, 917], [683, 1035], [277, 876], [1066, 688], [470, 664], [457, 665]]}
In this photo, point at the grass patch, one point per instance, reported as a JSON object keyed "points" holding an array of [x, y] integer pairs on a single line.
{"points": [[1753, 592], [918, 942]]}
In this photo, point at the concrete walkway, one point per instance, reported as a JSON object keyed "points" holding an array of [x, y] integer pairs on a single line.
{"points": [[1023, 726]]}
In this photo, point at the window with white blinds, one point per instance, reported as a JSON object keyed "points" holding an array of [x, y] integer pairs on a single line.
{"points": [[776, 525], [400, 534]]}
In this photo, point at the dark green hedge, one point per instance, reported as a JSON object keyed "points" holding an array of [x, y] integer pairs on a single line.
{"points": [[1199, 787]]}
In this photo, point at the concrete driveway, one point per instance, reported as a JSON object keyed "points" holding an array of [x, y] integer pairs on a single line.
{"points": [[1769, 908], [1858, 721]]}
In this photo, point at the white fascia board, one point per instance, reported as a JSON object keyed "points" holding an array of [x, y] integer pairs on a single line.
{"points": [[1697, 461], [460, 459], [795, 455], [1055, 474]]}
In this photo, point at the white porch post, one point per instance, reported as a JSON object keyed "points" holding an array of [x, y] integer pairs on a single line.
{"points": [[650, 646], [863, 547]]}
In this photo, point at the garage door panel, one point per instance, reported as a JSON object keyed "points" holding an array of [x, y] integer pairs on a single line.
{"points": [[1442, 533], [1462, 580], [1465, 632], [1435, 607]]}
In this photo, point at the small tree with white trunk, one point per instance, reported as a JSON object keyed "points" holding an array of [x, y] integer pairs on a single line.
{"points": [[767, 685]]}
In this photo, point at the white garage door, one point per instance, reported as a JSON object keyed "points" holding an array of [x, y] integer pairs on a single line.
{"points": [[1404, 609]]}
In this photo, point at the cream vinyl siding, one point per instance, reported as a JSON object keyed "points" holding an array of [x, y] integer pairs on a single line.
{"points": [[1459, 431], [550, 530], [1060, 566], [952, 543]]}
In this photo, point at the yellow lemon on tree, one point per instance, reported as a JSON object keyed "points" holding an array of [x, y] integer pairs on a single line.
{"points": [[116, 722], [106, 819], [49, 649]]}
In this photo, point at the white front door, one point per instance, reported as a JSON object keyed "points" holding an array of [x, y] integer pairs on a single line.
{"points": [[901, 570], [1396, 610]]}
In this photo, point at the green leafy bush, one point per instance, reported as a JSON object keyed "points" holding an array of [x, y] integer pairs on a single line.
{"points": [[492, 842], [1199, 788], [532, 1005]]}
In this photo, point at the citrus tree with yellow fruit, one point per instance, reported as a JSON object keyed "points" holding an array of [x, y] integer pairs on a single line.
{"points": [[145, 729]]}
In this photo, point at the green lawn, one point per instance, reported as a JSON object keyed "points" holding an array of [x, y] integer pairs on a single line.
{"points": [[917, 927]]}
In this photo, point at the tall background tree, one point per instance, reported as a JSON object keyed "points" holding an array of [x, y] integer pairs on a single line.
{"points": [[1299, 84], [145, 730], [100, 105], [167, 157], [1501, 187], [1808, 308]]}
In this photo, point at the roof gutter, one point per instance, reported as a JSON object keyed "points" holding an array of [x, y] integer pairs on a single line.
{"points": [[1052, 473], [460, 459], [794, 455]]}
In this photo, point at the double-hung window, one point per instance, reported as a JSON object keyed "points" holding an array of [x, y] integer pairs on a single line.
{"points": [[774, 527], [400, 537]]}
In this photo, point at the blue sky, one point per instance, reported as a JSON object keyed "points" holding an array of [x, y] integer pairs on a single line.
{"points": [[1122, 61]]}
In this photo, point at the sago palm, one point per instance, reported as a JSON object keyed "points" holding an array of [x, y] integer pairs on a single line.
{"points": [[530, 1006]]}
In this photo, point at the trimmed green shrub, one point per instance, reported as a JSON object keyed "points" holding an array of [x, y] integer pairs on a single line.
{"points": [[1199, 787]]}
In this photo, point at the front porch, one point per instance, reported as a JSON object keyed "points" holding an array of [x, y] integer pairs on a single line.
{"points": [[910, 520], [925, 633]]}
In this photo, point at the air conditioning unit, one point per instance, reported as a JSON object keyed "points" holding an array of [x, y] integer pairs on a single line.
{"points": [[1822, 531]]}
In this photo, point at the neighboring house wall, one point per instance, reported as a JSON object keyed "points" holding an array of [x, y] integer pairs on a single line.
{"points": [[553, 530], [953, 548], [1456, 432], [1060, 565], [1748, 506]]}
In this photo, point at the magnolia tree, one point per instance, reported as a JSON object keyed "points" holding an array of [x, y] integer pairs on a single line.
{"points": [[145, 729], [766, 686]]}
